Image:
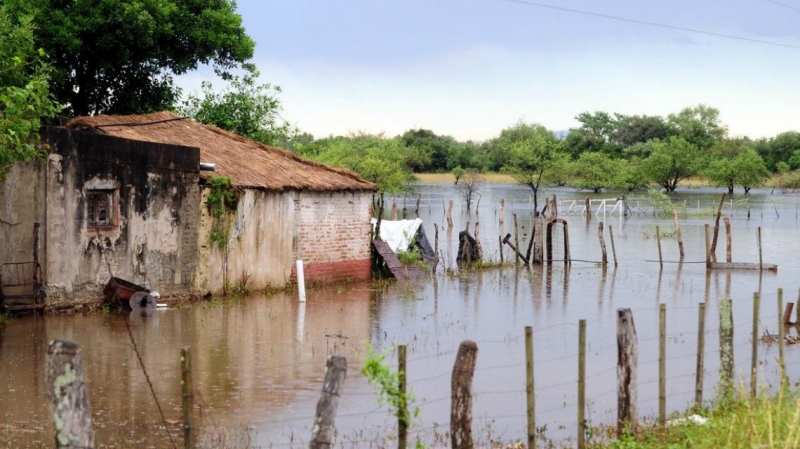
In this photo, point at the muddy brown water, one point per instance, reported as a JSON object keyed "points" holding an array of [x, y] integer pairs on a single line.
{"points": [[258, 362]]}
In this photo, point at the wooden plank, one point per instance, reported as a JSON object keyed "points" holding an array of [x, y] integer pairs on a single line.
{"points": [[742, 266], [398, 269]]}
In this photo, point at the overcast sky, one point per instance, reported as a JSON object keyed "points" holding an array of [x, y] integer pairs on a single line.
{"points": [[469, 68]]}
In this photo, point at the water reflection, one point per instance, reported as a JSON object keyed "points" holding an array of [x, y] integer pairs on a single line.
{"points": [[259, 362]]}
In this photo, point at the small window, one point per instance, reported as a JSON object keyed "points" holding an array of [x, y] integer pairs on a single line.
{"points": [[100, 208]]}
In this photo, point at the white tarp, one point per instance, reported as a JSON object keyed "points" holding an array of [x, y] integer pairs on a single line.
{"points": [[398, 234]]}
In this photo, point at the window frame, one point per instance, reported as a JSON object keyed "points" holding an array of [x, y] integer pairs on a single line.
{"points": [[94, 196]]}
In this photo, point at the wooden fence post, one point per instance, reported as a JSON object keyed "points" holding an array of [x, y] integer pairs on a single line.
{"points": [[627, 363], [581, 384], [658, 240], [726, 345], [588, 209], [66, 389], [728, 240], [187, 396], [335, 374], [760, 253], [402, 414], [678, 233], [461, 396], [754, 354], [450, 214], [701, 347], [613, 249], [781, 340], [602, 243], [708, 247], [516, 237], [716, 229], [529, 387], [662, 363]]}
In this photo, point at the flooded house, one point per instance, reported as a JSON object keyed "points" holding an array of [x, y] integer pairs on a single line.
{"points": [[126, 196]]}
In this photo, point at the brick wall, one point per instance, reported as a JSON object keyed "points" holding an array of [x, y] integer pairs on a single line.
{"points": [[333, 235]]}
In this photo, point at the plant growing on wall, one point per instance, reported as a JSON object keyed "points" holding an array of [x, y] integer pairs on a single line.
{"points": [[222, 199]]}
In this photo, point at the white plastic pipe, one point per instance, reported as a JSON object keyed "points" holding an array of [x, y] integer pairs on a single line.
{"points": [[301, 281]]}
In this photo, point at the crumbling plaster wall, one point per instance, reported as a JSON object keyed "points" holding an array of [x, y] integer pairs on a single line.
{"points": [[22, 189], [259, 250], [151, 238]]}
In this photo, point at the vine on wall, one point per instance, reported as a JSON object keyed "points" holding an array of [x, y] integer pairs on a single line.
{"points": [[222, 199]]}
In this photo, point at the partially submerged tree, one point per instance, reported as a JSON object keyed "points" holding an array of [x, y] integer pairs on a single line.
{"points": [[531, 157], [670, 162], [119, 56], [471, 186], [244, 107], [24, 90], [596, 171]]}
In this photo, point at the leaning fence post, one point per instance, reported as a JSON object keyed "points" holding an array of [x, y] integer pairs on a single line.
{"points": [[187, 397], [529, 387], [627, 363], [461, 396], [69, 402], [581, 384], [613, 249], [701, 347], [322, 432], [726, 344], [402, 414], [754, 355], [662, 363]]}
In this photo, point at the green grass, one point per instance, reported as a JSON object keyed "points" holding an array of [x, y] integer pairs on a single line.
{"points": [[767, 421]]}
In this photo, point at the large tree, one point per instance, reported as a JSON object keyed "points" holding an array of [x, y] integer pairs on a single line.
{"points": [[670, 162], [531, 156], [24, 94], [244, 107], [699, 125], [119, 56], [597, 171]]}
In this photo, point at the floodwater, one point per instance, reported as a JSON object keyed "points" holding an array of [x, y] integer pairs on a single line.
{"points": [[258, 362]]}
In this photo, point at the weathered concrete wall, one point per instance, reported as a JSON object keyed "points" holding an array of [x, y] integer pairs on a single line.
{"points": [[22, 192], [259, 247], [333, 235], [151, 242]]}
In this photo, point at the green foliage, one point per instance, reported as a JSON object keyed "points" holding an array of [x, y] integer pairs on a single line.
{"points": [[374, 157], [120, 56], [387, 386], [596, 171], [670, 162], [699, 125], [244, 107], [735, 162], [658, 201], [531, 156], [561, 170], [222, 198], [24, 89], [458, 173]]}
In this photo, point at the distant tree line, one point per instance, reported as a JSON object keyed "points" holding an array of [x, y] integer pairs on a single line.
{"points": [[607, 151]]}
